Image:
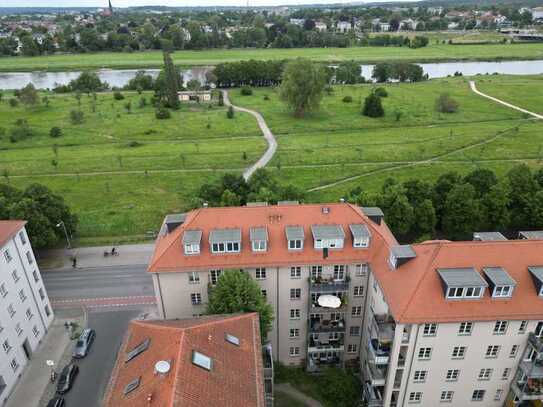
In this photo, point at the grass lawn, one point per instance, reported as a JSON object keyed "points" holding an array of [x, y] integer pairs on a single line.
{"points": [[281, 399], [522, 91], [153, 59]]}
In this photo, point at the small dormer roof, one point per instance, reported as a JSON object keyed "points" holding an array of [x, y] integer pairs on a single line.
{"points": [[294, 232], [321, 232], [359, 231], [225, 235], [192, 236], [462, 277], [498, 276], [259, 233]]}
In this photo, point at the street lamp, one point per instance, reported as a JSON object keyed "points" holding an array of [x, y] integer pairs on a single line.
{"points": [[61, 223]]}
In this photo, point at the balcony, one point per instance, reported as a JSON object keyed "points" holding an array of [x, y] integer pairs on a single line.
{"points": [[536, 342], [318, 357], [373, 395], [376, 375], [328, 286], [379, 353], [267, 361], [326, 342], [326, 325], [531, 389], [383, 327], [315, 307]]}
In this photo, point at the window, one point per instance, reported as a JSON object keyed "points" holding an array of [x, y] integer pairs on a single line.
{"points": [[316, 272], [264, 294], [446, 396], [36, 276], [47, 310], [194, 277], [358, 242], [294, 244], [296, 272], [294, 313], [15, 275], [514, 350], [539, 329], [465, 328], [201, 360], [361, 270], [225, 247], [484, 374], [502, 291], [293, 333], [455, 292], [22, 237], [7, 255], [35, 331], [415, 397], [492, 351], [425, 353], [260, 273], [354, 331], [420, 376], [3, 291], [214, 276], [429, 330], [458, 352], [294, 351], [506, 372], [478, 395], [351, 348], [11, 310], [452, 375], [29, 314], [192, 248], [29, 257], [356, 311], [295, 293], [234, 340], [500, 327], [41, 293], [14, 365], [259, 245], [498, 395], [358, 291], [339, 272], [196, 298], [6, 346], [18, 329], [133, 385], [523, 326], [464, 292]]}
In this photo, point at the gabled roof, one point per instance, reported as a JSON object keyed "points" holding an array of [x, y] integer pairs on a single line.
{"points": [[236, 374], [8, 228]]}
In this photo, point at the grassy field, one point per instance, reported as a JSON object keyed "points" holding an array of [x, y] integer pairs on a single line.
{"points": [[153, 59], [121, 172]]}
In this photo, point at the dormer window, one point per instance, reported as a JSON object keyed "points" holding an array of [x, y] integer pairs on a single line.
{"points": [[295, 237], [502, 291], [191, 241], [400, 255], [537, 277], [259, 239], [500, 282], [361, 235], [462, 283], [328, 236], [225, 240]]}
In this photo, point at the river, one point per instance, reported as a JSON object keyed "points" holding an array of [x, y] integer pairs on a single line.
{"points": [[120, 77]]}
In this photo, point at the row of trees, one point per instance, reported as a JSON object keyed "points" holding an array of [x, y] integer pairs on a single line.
{"points": [[397, 41], [454, 206], [41, 208], [252, 73], [399, 71]]}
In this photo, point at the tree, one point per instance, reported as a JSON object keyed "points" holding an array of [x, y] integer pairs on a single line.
{"points": [[495, 207], [523, 190], [382, 72], [162, 113], [425, 218], [141, 81], [230, 112], [77, 117], [237, 292], [398, 211], [373, 106], [348, 72], [172, 81], [302, 86], [55, 132], [461, 212], [442, 187], [446, 104], [87, 82], [229, 198], [194, 84], [482, 180], [29, 95]]}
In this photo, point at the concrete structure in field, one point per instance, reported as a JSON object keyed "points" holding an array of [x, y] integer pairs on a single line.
{"points": [[209, 361], [25, 311], [194, 96], [439, 321]]}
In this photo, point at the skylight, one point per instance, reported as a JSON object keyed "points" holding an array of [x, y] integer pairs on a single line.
{"points": [[133, 385], [201, 360], [142, 347], [234, 340]]}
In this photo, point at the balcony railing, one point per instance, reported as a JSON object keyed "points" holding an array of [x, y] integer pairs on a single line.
{"points": [[372, 396], [379, 354], [329, 286], [532, 389], [384, 327], [536, 342], [376, 375], [327, 326], [325, 341]]}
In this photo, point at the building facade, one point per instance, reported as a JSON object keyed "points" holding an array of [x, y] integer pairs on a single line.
{"points": [[25, 311], [439, 321]]}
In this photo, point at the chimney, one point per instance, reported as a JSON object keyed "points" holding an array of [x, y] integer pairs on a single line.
{"points": [[205, 205], [342, 200]]}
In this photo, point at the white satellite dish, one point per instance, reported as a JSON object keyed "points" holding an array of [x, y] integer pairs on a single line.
{"points": [[162, 367], [329, 301], [50, 362]]}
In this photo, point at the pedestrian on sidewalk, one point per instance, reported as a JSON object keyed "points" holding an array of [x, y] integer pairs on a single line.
{"points": [[74, 262]]}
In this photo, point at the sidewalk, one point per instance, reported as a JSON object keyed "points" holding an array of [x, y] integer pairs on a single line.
{"points": [[34, 387], [89, 257]]}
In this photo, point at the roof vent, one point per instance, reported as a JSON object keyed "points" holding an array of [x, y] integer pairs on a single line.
{"points": [[342, 200], [162, 367], [325, 210], [205, 204]]}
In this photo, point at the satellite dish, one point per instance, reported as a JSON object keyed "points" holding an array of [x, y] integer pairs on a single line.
{"points": [[162, 366], [50, 362]]}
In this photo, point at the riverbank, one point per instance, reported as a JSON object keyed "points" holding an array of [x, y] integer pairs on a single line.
{"points": [[364, 55]]}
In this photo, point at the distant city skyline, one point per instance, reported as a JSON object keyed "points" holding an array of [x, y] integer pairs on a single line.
{"points": [[171, 3]]}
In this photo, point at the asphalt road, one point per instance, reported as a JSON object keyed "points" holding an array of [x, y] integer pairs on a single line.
{"points": [[95, 369], [118, 281]]}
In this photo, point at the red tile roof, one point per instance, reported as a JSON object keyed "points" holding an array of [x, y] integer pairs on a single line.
{"points": [[235, 379], [8, 228], [169, 255]]}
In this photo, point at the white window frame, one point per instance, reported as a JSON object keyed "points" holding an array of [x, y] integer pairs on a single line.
{"points": [[15, 276], [294, 351], [259, 245], [429, 329], [446, 396], [294, 333], [492, 351], [506, 373], [502, 291], [295, 313], [354, 330], [339, 272], [356, 311], [419, 376], [29, 314], [192, 248], [352, 348], [3, 290], [226, 247], [514, 351], [465, 328], [14, 364], [452, 375], [194, 277], [6, 346], [22, 237], [316, 272], [415, 397], [478, 395], [29, 257], [361, 270], [424, 353], [7, 256], [498, 395], [35, 331], [295, 294], [296, 272], [295, 244], [214, 276], [359, 243], [485, 374], [358, 291], [196, 298], [260, 273], [459, 352], [523, 326], [500, 327]]}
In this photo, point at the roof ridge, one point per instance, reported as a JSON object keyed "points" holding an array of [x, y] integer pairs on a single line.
{"points": [[178, 366], [257, 354]]}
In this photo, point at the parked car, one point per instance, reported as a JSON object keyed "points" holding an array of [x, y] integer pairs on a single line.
{"points": [[56, 402], [67, 377], [84, 343]]}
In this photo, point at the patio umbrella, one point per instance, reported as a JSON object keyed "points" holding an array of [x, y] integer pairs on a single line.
{"points": [[329, 301]]}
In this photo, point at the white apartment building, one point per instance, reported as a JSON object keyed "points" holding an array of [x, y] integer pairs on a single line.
{"points": [[429, 323], [25, 311]]}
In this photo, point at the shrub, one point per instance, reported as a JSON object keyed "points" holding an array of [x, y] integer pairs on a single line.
{"points": [[230, 112], [221, 99], [21, 131], [246, 91], [62, 88], [446, 104], [162, 113], [117, 95], [266, 97], [77, 117], [372, 106], [134, 144], [348, 99], [13, 102], [381, 92], [55, 132]]}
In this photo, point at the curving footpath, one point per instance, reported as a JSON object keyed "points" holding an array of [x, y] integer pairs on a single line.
{"points": [[520, 109], [268, 135]]}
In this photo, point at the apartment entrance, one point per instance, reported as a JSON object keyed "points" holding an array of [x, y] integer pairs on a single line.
{"points": [[27, 349]]}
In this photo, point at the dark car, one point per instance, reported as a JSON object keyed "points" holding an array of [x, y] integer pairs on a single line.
{"points": [[56, 402], [67, 377], [84, 343]]}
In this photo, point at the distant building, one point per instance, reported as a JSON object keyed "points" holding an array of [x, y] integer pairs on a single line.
{"points": [[25, 311], [344, 26], [537, 13], [297, 21], [320, 26], [194, 96], [215, 360]]}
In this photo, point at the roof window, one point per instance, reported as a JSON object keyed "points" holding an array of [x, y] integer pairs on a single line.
{"points": [[142, 347], [234, 340], [201, 360], [462, 283], [500, 282], [328, 236], [133, 385], [361, 235], [259, 239], [295, 237]]}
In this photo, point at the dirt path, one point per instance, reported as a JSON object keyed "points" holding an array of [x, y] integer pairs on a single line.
{"points": [[296, 394], [268, 135]]}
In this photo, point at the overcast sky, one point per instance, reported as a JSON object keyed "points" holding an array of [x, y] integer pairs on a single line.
{"points": [[127, 3]]}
